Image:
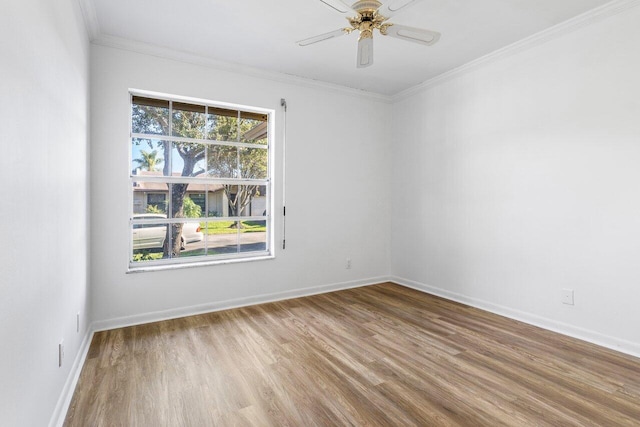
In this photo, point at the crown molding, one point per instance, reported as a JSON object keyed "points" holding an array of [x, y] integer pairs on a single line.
{"points": [[191, 58], [90, 18], [588, 18], [96, 37]]}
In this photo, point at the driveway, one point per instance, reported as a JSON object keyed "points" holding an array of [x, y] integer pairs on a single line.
{"points": [[226, 243]]}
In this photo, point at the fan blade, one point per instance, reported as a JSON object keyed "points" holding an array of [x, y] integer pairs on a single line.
{"points": [[322, 37], [365, 52], [392, 7], [416, 35], [339, 6]]}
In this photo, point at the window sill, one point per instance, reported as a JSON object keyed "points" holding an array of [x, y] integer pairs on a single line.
{"points": [[149, 268]]}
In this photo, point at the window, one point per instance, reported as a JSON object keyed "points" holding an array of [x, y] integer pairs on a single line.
{"points": [[157, 202], [201, 182]]}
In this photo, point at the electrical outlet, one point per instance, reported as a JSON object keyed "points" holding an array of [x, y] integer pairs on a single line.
{"points": [[348, 263], [60, 353], [567, 296]]}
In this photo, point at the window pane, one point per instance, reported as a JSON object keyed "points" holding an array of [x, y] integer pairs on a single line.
{"points": [[253, 128], [222, 161], [187, 200], [181, 205], [139, 201], [253, 163], [191, 237], [157, 202], [189, 120], [187, 159], [148, 241], [194, 204], [259, 202], [253, 236], [222, 126], [216, 201], [246, 200], [147, 156], [221, 237], [150, 116], [150, 198], [198, 199]]}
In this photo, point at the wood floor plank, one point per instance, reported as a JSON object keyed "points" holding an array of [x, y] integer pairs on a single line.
{"points": [[379, 355]]}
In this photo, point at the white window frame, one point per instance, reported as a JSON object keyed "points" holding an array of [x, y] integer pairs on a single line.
{"points": [[193, 261]]}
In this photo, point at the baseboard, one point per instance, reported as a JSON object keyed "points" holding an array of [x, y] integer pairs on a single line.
{"points": [[60, 412], [613, 343], [174, 313]]}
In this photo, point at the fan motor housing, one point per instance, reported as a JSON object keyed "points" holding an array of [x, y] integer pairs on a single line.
{"points": [[366, 6]]}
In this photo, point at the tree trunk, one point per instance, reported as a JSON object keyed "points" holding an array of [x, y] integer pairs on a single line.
{"points": [[242, 198], [173, 240]]}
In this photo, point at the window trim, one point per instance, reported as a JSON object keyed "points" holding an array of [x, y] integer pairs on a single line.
{"points": [[237, 257]]}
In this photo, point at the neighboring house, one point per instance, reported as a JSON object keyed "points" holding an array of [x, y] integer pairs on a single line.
{"points": [[211, 198]]}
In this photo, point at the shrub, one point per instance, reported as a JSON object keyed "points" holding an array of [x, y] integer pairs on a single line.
{"points": [[153, 209], [191, 210], [143, 255]]}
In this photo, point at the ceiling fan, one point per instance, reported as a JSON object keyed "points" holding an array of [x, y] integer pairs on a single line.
{"points": [[368, 15]]}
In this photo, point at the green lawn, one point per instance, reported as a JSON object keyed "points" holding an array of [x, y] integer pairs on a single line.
{"points": [[226, 227]]}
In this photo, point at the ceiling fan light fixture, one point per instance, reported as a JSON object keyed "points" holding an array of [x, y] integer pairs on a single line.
{"points": [[365, 52]]}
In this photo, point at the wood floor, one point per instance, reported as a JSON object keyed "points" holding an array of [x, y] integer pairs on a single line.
{"points": [[381, 355]]}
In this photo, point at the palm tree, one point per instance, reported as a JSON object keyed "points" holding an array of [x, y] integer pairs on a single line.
{"points": [[148, 160]]}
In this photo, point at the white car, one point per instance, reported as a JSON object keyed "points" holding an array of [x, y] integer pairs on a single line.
{"points": [[152, 236]]}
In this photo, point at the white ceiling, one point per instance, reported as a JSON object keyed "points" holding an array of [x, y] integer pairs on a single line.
{"points": [[262, 34]]}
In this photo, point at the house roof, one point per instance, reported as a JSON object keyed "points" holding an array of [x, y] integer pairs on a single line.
{"points": [[154, 186]]}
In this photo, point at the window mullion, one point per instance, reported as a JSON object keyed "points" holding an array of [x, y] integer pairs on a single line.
{"points": [[198, 140], [170, 186], [206, 137]]}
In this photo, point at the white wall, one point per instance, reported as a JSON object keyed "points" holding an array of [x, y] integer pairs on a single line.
{"points": [[44, 87], [522, 177], [337, 170], [509, 183]]}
